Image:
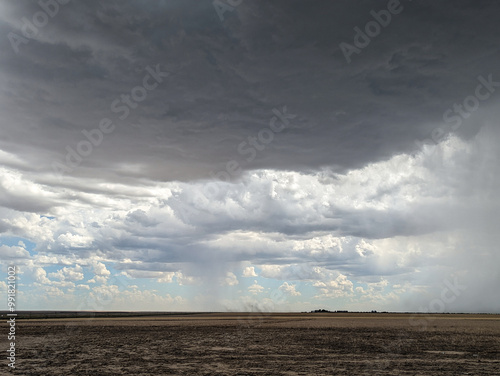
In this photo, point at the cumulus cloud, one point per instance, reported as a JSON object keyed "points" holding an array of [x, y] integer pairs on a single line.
{"points": [[40, 276], [249, 271], [255, 288], [230, 280], [100, 269], [289, 289], [166, 278], [68, 274], [334, 288], [15, 252]]}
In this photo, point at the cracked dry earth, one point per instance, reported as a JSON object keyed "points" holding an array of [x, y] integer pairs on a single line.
{"points": [[260, 344]]}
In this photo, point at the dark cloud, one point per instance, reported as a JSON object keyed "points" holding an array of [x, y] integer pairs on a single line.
{"points": [[228, 76]]}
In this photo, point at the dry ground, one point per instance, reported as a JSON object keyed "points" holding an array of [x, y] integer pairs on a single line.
{"points": [[260, 344]]}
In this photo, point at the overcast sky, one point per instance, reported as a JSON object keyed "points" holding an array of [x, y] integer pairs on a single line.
{"points": [[282, 155]]}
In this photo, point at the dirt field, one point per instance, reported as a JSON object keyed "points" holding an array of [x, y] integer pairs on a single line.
{"points": [[260, 344]]}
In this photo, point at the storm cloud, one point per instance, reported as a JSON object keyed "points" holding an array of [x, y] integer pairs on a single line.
{"points": [[187, 156]]}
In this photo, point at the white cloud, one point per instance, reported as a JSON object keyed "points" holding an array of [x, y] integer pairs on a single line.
{"points": [[289, 289], [380, 221], [334, 288], [230, 279], [74, 240], [100, 269], [249, 271], [304, 271], [255, 288], [14, 252], [98, 279], [40, 275], [68, 274], [186, 280], [166, 278]]}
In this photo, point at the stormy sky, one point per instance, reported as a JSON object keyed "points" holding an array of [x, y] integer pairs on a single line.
{"points": [[281, 155]]}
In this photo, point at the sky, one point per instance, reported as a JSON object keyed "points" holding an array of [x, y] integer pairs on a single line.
{"points": [[237, 155]]}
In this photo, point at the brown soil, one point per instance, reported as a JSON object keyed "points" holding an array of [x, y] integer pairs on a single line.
{"points": [[259, 344]]}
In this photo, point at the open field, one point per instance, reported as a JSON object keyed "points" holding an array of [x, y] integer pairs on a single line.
{"points": [[260, 344]]}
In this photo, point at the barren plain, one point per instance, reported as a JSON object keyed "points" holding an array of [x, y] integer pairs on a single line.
{"points": [[260, 344]]}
